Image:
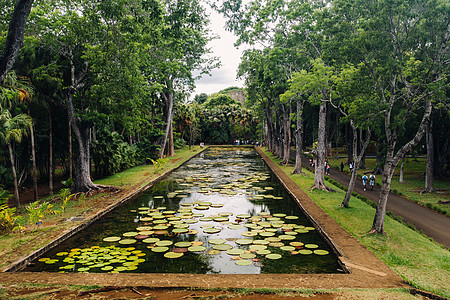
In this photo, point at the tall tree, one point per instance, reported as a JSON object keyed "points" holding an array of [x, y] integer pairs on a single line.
{"points": [[14, 39]]}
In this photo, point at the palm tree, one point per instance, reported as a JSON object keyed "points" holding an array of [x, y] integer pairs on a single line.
{"points": [[12, 129]]}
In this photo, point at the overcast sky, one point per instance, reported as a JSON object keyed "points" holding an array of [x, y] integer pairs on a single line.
{"points": [[229, 56]]}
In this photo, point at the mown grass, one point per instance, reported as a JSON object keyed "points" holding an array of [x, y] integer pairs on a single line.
{"points": [[413, 183], [421, 262], [15, 245]]}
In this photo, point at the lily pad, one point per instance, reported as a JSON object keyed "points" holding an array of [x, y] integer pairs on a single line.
{"points": [[291, 217], [180, 250], [222, 247], [160, 249], [197, 248], [263, 252], [173, 254], [235, 226], [235, 251], [127, 241], [131, 233], [296, 244], [163, 243], [213, 252], [273, 256], [243, 262], [311, 246], [211, 230], [180, 230], [321, 252], [286, 237], [106, 268], [257, 247], [244, 241], [183, 244], [287, 248], [305, 251], [247, 255]]}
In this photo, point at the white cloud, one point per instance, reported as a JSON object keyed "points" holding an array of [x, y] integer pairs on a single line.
{"points": [[229, 56]]}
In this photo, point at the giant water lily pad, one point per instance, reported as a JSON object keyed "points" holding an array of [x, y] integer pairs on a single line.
{"points": [[287, 248], [183, 244], [286, 237], [173, 254], [197, 248], [180, 230], [160, 249], [213, 252], [243, 262], [150, 240], [131, 233], [311, 246], [163, 243], [247, 255], [235, 226], [222, 247], [235, 251], [257, 247], [211, 230], [244, 241], [249, 233], [127, 241], [321, 252], [273, 256], [305, 251]]}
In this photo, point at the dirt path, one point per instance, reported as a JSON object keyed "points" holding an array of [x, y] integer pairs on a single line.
{"points": [[431, 223]]}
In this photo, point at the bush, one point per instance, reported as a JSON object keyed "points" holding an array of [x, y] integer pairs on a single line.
{"points": [[9, 221]]}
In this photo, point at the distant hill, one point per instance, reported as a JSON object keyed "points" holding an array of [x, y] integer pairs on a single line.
{"points": [[238, 94]]}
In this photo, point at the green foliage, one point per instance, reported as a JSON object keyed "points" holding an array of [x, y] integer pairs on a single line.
{"points": [[111, 154], [64, 196], [219, 100], [37, 211], [159, 164], [9, 221]]}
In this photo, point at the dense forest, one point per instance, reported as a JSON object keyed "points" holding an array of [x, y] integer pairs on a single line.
{"points": [[101, 86]]}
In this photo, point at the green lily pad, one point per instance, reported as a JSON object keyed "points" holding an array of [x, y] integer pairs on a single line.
{"points": [[222, 247], [273, 256], [106, 268], [243, 262], [196, 248], [311, 246], [173, 254], [279, 215], [211, 230], [291, 217], [202, 207], [249, 233], [267, 234], [296, 244], [217, 205], [305, 251], [183, 244], [163, 243], [244, 241], [287, 248], [127, 241], [213, 252], [243, 216], [206, 219], [83, 269], [131, 233], [180, 230], [261, 242], [247, 255], [272, 239], [286, 237], [321, 252], [160, 249], [235, 251]]}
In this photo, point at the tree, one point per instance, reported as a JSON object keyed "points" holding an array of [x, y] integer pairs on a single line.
{"points": [[14, 38], [12, 129]]}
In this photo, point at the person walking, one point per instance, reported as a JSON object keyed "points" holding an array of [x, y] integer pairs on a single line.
{"points": [[364, 181], [371, 181], [342, 167]]}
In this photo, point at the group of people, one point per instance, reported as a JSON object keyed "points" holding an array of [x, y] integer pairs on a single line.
{"points": [[364, 178]]}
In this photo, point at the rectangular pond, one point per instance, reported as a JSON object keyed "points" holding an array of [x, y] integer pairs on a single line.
{"points": [[223, 212]]}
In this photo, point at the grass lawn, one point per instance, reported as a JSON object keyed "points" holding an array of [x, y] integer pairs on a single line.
{"points": [[413, 182], [422, 263]]}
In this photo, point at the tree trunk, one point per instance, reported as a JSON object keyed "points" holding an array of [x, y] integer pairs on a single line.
{"points": [[356, 162], [319, 173], [286, 134], [401, 170], [429, 179], [170, 146], [349, 142], [299, 138], [70, 149], [14, 39], [379, 169], [13, 169], [169, 116], [33, 161], [392, 161], [50, 153], [362, 164]]}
